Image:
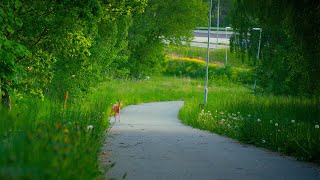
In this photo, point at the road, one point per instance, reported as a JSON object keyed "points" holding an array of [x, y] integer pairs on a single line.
{"points": [[201, 39], [151, 143], [213, 34]]}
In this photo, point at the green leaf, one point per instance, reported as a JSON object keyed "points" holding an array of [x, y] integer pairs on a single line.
{"points": [[9, 29], [17, 4], [18, 21]]}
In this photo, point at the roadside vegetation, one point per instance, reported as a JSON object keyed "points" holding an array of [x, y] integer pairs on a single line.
{"points": [[286, 124], [64, 63]]}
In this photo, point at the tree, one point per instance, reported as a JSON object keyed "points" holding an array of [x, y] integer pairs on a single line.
{"points": [[290, 43], [164, 21], [47, 43]]}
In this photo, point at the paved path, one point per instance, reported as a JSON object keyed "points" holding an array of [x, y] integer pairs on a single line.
{"points": [[151, 143]]}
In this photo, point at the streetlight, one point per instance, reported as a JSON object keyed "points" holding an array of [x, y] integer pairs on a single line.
{"points": [[218, 24], [257, 29], [207, 58], [226, 44]]}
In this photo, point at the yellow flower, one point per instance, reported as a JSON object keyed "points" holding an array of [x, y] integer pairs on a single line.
{"points": [[66, 131], [66, 140]]}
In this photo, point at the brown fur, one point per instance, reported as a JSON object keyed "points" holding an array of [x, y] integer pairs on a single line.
{"points": [[116, 110]]}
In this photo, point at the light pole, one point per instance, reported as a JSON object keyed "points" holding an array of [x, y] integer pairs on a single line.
{"points": [[255, 80], [226, 45], [218, 24], [207, 58]]}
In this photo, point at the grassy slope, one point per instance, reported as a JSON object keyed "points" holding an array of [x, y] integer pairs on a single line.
{"points": [[41, 140]]}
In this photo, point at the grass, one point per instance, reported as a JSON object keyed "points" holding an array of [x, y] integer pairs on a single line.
{"points": [[39, 139], [216, 56]]}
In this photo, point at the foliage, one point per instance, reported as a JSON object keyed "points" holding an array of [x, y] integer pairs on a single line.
{"points": [[53, 46], [289, 43], [163, 21], [195, 68]]}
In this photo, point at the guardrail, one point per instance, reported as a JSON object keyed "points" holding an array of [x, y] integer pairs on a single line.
{"points": [[214, 28]]}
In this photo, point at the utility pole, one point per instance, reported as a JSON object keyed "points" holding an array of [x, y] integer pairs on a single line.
{"points": [[207, 58], [218, 19]]}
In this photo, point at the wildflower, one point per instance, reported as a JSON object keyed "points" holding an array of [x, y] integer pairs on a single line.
{"points": [[259, 120], [66, 131], [316, 126], [263, 141], [90, 127], [293, 121], [66, 140], [276, 124]]}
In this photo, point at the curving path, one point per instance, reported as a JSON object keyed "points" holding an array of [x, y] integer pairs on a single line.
{"points": [[151, 143]]}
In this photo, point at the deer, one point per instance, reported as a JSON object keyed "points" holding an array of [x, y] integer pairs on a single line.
{"points": [[116, 110]]}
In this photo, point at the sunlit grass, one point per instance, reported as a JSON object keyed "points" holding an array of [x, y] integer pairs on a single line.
{"points": [[216, 56], [39, 139]]}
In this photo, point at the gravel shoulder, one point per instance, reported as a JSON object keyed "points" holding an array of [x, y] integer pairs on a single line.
{"points": [[150, 142]]}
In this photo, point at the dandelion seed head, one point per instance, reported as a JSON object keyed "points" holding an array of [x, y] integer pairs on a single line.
{"points": [[259, 120], [276, 124], [90, 127], [316, 126], [249, 115], [263, 141], [293, 121]]}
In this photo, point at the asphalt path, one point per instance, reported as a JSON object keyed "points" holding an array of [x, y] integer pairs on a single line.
{"points": [[150, 142]]}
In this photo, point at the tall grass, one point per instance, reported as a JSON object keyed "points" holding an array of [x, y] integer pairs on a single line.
{"points": [[42, 140], [216, 56], [39, 139], [286, 124]]}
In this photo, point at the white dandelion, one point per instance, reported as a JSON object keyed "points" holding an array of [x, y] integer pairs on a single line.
{"points": [[90, 127]]}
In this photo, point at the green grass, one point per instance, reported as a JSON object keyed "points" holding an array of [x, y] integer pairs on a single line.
{"points": [[215, 55], [285, 124], [41, 140]]}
